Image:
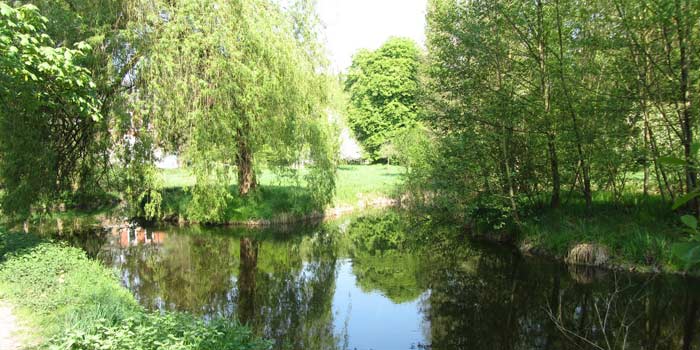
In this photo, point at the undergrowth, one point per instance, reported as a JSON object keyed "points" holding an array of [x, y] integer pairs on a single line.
{"points": [[278, 195], [637, 229]]}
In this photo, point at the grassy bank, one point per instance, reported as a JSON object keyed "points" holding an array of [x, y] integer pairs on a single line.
{"points": [[638, 231], [72, 302], [282, 196]]}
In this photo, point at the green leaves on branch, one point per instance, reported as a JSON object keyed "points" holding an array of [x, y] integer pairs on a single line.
{"points": [[49, 115]]}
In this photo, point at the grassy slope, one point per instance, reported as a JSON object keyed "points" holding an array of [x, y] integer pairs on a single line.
{"points": [[638, 231], [278, 195], [75, 303]]}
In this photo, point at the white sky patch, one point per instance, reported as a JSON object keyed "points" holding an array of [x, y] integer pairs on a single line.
{"points": [[354, 24]]}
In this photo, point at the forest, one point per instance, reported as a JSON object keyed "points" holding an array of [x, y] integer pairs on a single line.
{"points": [[201, 174]]}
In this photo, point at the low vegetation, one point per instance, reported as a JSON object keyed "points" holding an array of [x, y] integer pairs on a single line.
{"points": [[638, 230]]}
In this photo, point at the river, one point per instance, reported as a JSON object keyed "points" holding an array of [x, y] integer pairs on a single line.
{"points": [[307, 287]]}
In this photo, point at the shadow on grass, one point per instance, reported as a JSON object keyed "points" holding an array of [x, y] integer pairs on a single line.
{"points": [[266, 202], [17, 244]]}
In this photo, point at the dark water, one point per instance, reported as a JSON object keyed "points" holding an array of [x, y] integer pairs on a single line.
{"points": [[308, 288]]}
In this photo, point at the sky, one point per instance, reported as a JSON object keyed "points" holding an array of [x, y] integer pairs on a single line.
{"points": [[354, 24]]}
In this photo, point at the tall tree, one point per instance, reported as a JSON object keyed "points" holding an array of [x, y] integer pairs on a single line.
{"points": [[383, 87], [236, 84], [554, 97]]}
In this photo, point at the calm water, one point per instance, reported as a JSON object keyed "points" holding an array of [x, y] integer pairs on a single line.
{"points": [[307, 288]]}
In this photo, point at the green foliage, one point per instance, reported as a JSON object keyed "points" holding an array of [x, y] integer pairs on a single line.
{"points": [[384, 91], [558, 97], [491, 214], [169, 331], [637, 230], [59, 285], [50, 115], [251, 95], [375, 234], [277, 195]]}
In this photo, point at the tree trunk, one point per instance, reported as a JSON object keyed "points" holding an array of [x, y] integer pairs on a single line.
{"points": [[685, 109], [546, 100], [244, 163], [554, 164], [646, 157], [659, 168], [509, 179], [246, 280], [577, 133]]}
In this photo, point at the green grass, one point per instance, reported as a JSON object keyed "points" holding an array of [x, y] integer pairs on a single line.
{"points": [[357, 182], [638, 231], [281, 195], [75, 303]]}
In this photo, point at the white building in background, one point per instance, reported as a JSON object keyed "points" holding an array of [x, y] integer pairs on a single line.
{"points": [[167, 161], [350, 150]]}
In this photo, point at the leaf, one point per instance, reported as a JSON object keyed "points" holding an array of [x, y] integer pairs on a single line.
{"points": [[694, 148], [672, 160], [686, 253], [685, 199], [690, 221], [5, 10]]}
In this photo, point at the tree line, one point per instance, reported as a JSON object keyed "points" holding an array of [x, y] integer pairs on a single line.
{"points": [[559, 97], [510, 101]]}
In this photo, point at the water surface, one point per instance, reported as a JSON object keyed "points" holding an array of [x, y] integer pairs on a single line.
{"points": [[308, 288]]}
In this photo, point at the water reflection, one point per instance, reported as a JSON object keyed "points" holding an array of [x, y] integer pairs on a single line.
{"points": [[307, 289]]}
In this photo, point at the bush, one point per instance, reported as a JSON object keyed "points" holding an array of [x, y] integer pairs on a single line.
{"points": [[491, 214]]}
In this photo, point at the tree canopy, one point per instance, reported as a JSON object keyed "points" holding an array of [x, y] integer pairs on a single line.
{"points": [[230, 85], [383, 87]]}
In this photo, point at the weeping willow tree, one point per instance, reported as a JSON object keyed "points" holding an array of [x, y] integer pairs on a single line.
{"points": [[232, 86]]}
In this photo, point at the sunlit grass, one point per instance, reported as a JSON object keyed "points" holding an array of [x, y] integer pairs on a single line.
{"points": [[284, 195], [363, 181]]}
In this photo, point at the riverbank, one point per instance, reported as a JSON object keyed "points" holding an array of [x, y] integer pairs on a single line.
{"points": [[632, 233], [280, 200], [71, 302], [277, 201]]}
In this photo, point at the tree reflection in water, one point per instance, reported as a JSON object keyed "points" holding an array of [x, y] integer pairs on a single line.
{"points": [[285, 285]]}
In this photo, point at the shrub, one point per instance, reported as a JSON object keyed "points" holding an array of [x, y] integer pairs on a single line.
{"points": [[168, 331]]}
